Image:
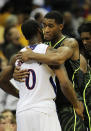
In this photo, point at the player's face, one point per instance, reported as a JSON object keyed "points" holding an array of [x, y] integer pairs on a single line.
{"points": [[51, 29], [86, 39]]}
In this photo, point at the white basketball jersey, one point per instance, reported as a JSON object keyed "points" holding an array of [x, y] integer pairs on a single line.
{"points": [[37, 92]]}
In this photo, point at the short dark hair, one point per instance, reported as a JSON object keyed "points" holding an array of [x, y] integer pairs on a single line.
{"points": [[55, 15], [30, 28], [85, 27]]}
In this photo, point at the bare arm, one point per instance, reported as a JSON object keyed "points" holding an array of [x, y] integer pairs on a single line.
{"points": [[68, 91], [5, 84], [83, 63], [72, 44], [52, 56], [66, 85]]}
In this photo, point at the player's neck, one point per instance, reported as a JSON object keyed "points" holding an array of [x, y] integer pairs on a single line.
{"points": [[56, 39], [35, 40]]}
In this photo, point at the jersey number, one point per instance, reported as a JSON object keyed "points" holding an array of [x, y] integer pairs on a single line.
{"points": [[33, 80]]}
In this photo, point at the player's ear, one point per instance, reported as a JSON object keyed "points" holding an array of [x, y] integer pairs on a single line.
{"points": [[61, 26]]}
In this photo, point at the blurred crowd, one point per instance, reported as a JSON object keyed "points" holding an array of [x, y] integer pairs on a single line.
{"points": [[12, 14]]}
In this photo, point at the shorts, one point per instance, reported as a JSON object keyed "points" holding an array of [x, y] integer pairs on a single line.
{"points": [[31, 120]]}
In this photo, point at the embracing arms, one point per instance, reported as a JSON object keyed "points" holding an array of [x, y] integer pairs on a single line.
{"points": [[51, 57], [68, 50]]}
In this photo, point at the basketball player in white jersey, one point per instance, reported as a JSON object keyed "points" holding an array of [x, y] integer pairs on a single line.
{"points": [[36, 110]]}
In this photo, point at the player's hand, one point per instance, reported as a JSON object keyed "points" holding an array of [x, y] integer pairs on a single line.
{"points": [[20, 75], [26, 55], [79, 109]]}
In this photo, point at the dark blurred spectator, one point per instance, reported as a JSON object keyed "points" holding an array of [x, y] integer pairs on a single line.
{"points": [[86, 7], [5, 11], [21, 4], [39, 3], [85, 34], [69, 28], [6, 18], [8, 116], [78, 16], [22, 15], [9, 21], [7, 7], [42, 11], [39, 17], [61, 5], [88, 11], [38, 14], [11, 45], [12, 20], [4, 60], [2, 3]]}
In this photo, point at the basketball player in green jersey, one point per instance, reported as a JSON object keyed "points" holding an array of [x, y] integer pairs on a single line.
{"points": [[85, 65]]}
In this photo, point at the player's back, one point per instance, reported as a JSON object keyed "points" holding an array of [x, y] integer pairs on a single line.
{"points": [[37, 91]]}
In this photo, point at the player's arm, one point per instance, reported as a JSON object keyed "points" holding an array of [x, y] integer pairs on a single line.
{"points": [[52, 56], [73, 45], [83, 64], [5, 84], [68, 90]]}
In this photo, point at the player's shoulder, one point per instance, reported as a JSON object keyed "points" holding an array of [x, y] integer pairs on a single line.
{"points": [[71, 39], [70, 42]]}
